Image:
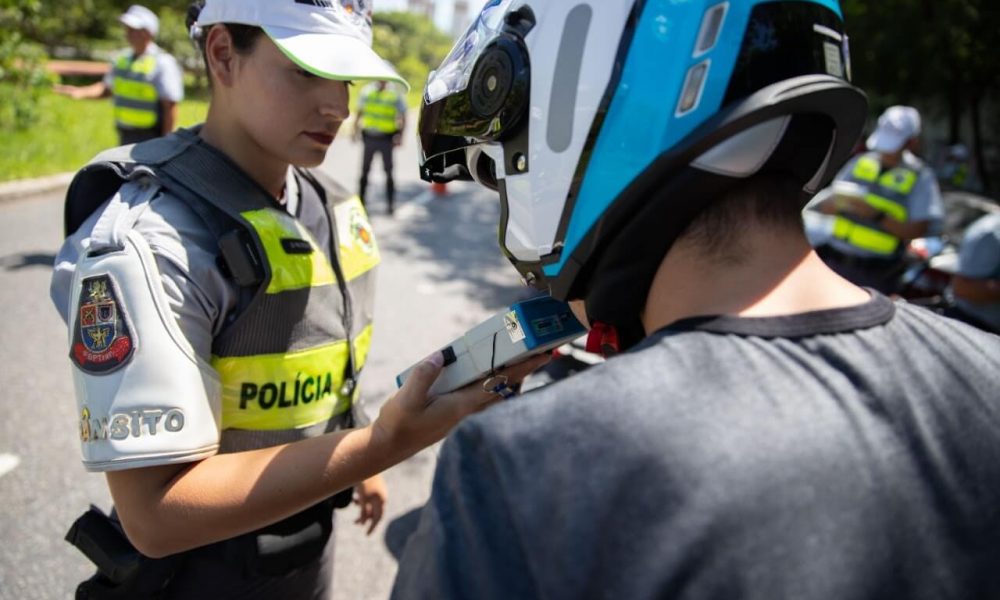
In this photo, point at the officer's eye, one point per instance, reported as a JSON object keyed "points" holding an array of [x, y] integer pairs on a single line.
{"points": [[306, 74]]}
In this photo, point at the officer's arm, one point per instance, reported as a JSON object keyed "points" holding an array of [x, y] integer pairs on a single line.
{"points": [[978, 291], [169, 509], [83, 92], [169, 109], [904, 231], [169, 82]]}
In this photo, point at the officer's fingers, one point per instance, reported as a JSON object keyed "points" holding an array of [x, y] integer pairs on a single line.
{"points": [[364, 513], [473, 398], [376, 516], [421, 378]]}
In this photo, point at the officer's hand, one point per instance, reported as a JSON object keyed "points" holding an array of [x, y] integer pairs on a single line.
{"points": [[370, 495], [66, 90], [856, 206], [412, 420]]}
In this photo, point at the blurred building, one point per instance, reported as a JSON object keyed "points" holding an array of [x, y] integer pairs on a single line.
{"points": [[423, 7], [460, 18]]}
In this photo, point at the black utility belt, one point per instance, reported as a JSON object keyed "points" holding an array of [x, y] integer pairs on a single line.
{"points": [[275, 550], [378, 135]]}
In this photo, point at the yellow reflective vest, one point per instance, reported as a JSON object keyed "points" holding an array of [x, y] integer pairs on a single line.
{"points": [[380, 110], [136, 102], [887, 192]]}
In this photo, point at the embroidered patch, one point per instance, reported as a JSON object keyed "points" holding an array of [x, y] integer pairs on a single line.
{"points": [[102, 341], [361, 231]]}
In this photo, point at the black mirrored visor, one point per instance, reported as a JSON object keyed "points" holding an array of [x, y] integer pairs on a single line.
{"points": [[445, 167], [440, 153], [784, 40]]}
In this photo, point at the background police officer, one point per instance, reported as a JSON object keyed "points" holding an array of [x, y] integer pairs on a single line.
{"points": [[380, 122], [975, 284], [881, 200], [145, 81]]}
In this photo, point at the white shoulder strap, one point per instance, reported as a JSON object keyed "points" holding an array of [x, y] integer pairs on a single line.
{"points": [[122, 212]]}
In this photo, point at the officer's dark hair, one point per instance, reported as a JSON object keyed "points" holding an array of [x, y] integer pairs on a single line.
{"points": [[772, 201], [244, 36]]}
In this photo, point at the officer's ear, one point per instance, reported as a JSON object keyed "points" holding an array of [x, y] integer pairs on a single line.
{"points": [[220, 54]]}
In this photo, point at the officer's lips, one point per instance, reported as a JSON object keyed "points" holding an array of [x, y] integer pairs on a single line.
{"points": [[322, 138]]}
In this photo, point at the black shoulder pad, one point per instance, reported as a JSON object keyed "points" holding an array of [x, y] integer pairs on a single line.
{"points": [[91, 186]]}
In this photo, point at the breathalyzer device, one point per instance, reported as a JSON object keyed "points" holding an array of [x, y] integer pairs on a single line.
{"points": [[522, 330]]}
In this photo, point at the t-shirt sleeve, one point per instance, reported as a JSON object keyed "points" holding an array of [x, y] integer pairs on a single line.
{"points": [[925, 200], [141, 322], [168, 79], [109, 77], [466, 545]]}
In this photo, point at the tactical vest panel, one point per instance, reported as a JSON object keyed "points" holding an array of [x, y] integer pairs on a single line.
{"points": [[887, 193], [381, 111], [287, 366], [135, 99]]}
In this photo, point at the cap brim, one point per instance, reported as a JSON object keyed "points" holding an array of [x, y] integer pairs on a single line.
{"points": [[132, 21], [883, 141], [332, 56]]}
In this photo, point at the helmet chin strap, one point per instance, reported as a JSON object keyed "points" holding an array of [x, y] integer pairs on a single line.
{"points": [[603, 339]]}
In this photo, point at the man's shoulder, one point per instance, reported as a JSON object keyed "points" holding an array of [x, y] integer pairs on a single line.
{"points": [[921, 320], [915, 163], [604, 401]]}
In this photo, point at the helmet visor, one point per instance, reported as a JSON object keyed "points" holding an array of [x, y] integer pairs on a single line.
{"points": [[454, 73]]}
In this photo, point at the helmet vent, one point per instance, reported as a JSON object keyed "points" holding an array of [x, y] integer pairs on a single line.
{"points": [[694, 84], [711, 26]]}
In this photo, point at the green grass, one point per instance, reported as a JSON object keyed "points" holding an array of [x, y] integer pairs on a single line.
{"points": [[68, 134]]}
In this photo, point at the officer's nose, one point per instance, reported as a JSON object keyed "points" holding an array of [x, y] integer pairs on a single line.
{"points": [[335, 100]]}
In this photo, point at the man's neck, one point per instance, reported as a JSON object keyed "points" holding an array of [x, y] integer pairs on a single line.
{"points": [[777, 273], [138, 51]]}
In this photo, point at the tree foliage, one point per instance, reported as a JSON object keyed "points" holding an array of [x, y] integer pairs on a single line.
{"points": [[411, 43], [935, 54], [22, 65]]}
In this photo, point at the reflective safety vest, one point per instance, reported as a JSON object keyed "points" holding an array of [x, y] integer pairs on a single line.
{"points": [[136, 102], [380, 111], [888, 193], [290, 355]]}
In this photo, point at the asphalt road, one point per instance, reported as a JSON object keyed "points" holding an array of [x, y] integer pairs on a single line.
{"points": [[441, 273]]}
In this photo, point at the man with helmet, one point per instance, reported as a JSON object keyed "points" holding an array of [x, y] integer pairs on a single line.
{"points": [[880, 201], [769, 430]]}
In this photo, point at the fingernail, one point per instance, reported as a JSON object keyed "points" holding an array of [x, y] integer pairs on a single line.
{"points": [[436, 359]]}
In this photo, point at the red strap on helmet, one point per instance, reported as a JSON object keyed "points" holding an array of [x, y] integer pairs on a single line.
{"points": [[602, 339]]}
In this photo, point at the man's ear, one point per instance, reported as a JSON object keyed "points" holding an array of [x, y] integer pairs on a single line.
{"points": [[220, 54]]}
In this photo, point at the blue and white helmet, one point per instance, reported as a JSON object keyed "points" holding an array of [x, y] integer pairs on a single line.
{"points": [[606, 125]]}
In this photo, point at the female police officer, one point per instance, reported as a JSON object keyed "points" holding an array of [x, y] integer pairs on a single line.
{"points": [[218, 297]]}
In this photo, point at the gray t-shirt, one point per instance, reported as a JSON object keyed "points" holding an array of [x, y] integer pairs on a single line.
{"points": [[167, 77], [836, 455]]}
